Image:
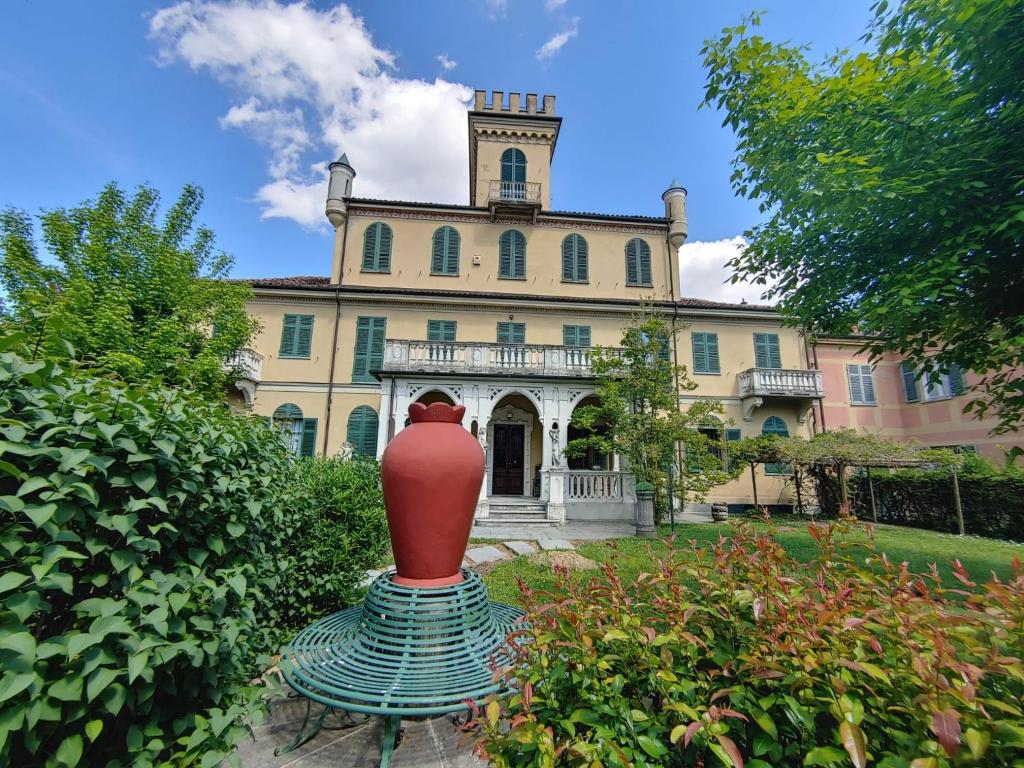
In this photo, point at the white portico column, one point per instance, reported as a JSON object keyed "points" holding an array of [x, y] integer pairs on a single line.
{"points": [[483, 416], [384, 416]]}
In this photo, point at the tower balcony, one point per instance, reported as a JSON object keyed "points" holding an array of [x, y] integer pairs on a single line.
{"points": [[513, 196], [799, 385], [469, 358]]}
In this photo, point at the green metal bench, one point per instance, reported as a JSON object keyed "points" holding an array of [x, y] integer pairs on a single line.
{"points": [[407, 651]]}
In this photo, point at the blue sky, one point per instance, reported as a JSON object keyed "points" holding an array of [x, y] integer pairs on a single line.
{"points": [[250, 100]]}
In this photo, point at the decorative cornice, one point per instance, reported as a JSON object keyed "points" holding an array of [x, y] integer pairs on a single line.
{"points": [[543, 221]]}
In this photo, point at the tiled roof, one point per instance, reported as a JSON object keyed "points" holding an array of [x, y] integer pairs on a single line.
{"points": [[309, 282]]}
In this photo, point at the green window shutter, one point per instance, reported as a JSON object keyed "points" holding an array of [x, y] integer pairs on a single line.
{"points": [[632, 262], [867, 384], [711, 340], [513, 165], [518, 333], [700, 352], [288, 335], [569, 335], [370, 248], [664, 353], [638, 262], [512, 255], [575, 259], [505, 254], [854, 380], [296, 336], [956, 380], [583, 334], [766, 351], [441, 330], [518, 255], [910, 389], [361, 432], [504, 333], [308, 447], [445, 253], [369, 349], [511, 333], [773, 425]]}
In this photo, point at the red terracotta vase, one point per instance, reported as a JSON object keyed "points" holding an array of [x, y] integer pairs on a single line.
{"points": [[431, 474]]}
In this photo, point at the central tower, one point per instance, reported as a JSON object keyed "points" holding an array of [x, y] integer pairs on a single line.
{"points": [[510, 151]]}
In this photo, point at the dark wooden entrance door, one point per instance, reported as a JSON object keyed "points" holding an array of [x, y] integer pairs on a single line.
{"points": [[507, 464]]}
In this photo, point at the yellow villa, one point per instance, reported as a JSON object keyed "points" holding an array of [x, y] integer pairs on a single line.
{"points": [[495, 305]]}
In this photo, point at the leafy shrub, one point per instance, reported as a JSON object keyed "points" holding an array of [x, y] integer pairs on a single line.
{"points": [[738, 655], [139, 532], [340, 531], [992, 499]]}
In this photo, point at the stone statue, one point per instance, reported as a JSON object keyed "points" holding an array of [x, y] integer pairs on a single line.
{"points": [[556, 448]]}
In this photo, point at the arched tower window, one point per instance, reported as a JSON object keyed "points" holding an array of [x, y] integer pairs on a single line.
{"points": [[362, 431], [377, 248], [512, 255], [774, 425], [298, 433], [574, 259], [638, 263], [513, 165], [444, 258]]}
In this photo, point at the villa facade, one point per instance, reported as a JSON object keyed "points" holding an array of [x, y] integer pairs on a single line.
{"points": [[495, 305]]}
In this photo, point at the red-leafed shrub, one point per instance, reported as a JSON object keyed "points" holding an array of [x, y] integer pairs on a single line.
{"points": [[737, 655]]}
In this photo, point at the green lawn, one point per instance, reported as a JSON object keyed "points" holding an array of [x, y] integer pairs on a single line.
{"points": [[919, 548]]}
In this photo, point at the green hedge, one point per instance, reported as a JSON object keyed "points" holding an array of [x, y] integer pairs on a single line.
{"points": [[141, 533], [340, 531]]}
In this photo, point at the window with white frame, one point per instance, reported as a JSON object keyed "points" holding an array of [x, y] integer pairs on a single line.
{"points": [[862, 386]]}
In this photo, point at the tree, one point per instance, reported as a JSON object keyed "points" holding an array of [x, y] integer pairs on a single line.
{"points": [[131, 296], [893, 184], [639, 415]]}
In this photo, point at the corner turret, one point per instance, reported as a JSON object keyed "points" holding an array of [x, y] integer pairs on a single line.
{"points": [[338, 188], [675, 210]]}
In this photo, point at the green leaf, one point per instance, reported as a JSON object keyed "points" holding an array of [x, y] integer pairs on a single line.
{"points": [[40, 514], [824, 756], [99, 680], [93, 729], [136, 664], [12, 580], [238, 584], [13, 683], [853, 740], [22, 643], [68, 688], [652, 747], [69, 752], [145, 479]]}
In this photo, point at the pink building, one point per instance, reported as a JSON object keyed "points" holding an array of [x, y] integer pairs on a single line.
{"points": [[889, 398]]}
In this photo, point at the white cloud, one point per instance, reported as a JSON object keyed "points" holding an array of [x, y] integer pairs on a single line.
{"points": [[554, 5], [703, 274], [555, 44], [309, 84], [446, 63]]}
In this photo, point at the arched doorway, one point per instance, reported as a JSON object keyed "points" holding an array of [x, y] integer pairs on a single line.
{"points": [[515, 445], [432, 396]]}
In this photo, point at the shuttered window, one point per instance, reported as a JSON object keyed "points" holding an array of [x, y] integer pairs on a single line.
{"points": [[576, 335], [369, 351], [638, 263], [773, 425], [766, 350], [441, 330], [444, 258], [705, 353], [296, 336], [512, 255], [377, 248], [574, 259], [511, 333], [664, 352], [298, 433], [956, 380], [862, 386], [731, 436], [910, 390], [513, 165], [362, 431]]}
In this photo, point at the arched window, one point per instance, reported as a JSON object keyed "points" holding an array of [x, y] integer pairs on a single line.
{"points": [[362, 431], [773, 425], [377, 248], [445, 253], [574, 259], [513, 166], [638, 263], [512, 255], [298, 433]]}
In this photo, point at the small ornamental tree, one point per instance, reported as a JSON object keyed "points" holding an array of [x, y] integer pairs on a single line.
{"points": [[134, 296], [639, 414]]}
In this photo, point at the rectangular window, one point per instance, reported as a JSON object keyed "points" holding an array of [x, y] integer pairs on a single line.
{"points": [[440, 330], [511, 333], [307, 446], [731, 436], [766, 350], [576, 335], [705, 352], [862, 386], [369, 352], [296, 336], [910, 389]]}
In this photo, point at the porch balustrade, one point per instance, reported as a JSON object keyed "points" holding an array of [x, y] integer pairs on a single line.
{"points": [[584, 485], [461, 357]]}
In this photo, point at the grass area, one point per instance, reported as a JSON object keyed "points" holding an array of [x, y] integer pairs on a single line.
{"points": [[919, 548]]}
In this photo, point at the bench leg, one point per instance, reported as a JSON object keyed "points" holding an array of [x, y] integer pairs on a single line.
{"points": [[304, 735], [390, 740]]}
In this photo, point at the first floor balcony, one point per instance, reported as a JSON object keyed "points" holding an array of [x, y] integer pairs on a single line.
{"points": [[247, 365], [460, 358], [758, 385]]}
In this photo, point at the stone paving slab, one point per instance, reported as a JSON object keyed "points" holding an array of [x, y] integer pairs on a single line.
{"points": [[430, 743], [487, 554], [551, 544], [520, 547], [574, 530]]}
